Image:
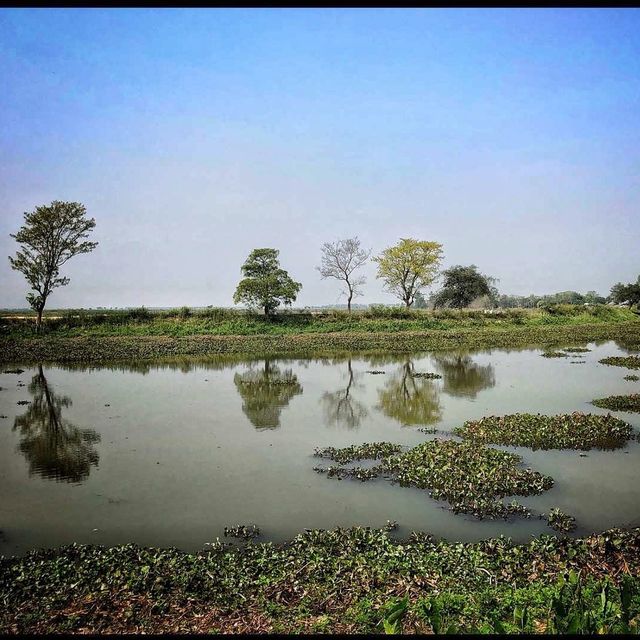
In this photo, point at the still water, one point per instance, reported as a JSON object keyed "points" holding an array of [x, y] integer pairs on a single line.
{"points": [[169, 453]]}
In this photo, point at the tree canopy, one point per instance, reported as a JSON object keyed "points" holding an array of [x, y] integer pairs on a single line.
{"points": [[626, 293], [49, 237], [461, 286], [265, 284], [408, 267]]}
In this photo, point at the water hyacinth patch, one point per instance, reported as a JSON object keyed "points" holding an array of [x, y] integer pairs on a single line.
{"points": [[366, 451], [630, 362], [246, 532], [632, 378], [427, 375], [555, 354], [560, 521], [630, 402], [577, 350], [470, 478], [576, 430]]}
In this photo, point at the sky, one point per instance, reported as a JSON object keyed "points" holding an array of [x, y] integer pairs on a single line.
{"points": [[511, 136]]}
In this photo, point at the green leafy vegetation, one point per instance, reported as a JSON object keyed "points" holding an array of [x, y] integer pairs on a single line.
{"points": [[341, 580], [560, 521], [576, 430], [629, 402], [630, 362], [632, 378], [69, 340], [471, 478]]}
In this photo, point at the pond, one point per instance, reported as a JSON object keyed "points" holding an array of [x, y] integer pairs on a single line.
{"points": [[170, 453]]}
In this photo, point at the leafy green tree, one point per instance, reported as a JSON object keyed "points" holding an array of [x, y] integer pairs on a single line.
{"points": [[265, 284], [462, 285], [408, 267], [626, 293], [339, 260], [49, 237]]}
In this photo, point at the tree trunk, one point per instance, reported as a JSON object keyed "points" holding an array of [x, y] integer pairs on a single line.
{"points": [[349, 301], [39, 321]]}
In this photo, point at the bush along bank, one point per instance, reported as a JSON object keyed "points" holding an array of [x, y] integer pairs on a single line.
{"points": [[356, 580]]}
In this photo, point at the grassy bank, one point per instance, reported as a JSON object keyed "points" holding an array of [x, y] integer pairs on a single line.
{"points": [[342, 580], [62, 348], [229, 322]]}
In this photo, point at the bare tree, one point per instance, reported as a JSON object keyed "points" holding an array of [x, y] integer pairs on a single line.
{"points": [[339, 260]]}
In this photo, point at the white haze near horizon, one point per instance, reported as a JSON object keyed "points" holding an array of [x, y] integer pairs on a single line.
{"points": [[511, 137]]}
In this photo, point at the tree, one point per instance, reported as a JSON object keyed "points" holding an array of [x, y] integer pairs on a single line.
{"points": [[49, 237], [626, 293], [408, 267], [339, 260], [265, 284], [462, 285]]}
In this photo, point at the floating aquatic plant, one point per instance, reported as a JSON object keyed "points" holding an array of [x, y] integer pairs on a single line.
{"points": [[630, 362], [246, 532], [471, 478], [428, 375], [17, 371], [366, 451], [576, 430], [577, 350], [555, 354], [560, 521], [630, 402], [375, 372], [632, 378]]}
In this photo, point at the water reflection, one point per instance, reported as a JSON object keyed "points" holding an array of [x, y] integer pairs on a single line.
{"points": [[265, 392], [410, 400], [462, 376], [340, 407], [54, 447]]}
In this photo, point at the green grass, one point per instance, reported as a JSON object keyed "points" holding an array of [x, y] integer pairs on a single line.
{"points": [[227, 322], [356, 580]]}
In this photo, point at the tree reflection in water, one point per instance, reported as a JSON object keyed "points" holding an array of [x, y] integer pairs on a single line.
{"points": [[54, 447], [265, 392], [462, 376], [341, 408], [410, 400]]}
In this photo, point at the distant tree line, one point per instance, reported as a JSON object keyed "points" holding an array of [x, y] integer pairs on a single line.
{"points": [[53, 234]]}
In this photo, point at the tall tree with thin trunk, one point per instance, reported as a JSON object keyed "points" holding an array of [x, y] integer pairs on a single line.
{"points": [[339, 260], [408, 267], [49, 237]]}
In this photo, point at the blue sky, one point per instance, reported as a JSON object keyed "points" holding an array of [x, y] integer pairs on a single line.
{"points": [[192, 136]]}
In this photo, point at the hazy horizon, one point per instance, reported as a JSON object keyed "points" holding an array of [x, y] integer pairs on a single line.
{"points": [[511, 136]]}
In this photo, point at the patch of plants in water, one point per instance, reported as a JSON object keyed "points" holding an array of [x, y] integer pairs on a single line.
{"points": [[576, 350], [246, 532], [560, 521], [630, 402], [630, 362], [366, 451], [427, 375], [582, 431], [340, 581], [632, 378], [555, 354], [470, 478]]}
